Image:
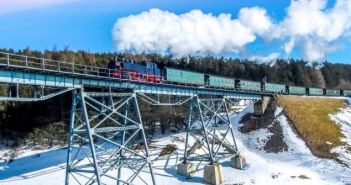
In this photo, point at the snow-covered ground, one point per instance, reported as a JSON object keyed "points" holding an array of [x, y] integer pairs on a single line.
{"points": [[295, 166], [343, 119], [289, 165]]}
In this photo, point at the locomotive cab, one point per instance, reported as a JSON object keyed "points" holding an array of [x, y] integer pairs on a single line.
{"points": [[152, 72], [113, 64]]}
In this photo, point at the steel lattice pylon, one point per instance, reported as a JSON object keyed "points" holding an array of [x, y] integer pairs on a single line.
{"points": [[106, 136], [209, 125]]}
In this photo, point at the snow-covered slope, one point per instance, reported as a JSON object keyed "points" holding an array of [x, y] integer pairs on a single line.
{"points": [[292, 166], [343, 119], [295, 166]]}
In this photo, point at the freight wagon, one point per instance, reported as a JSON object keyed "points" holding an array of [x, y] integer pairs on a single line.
{"points": [[274, 88], [332, 92], [247, 85], [347, 93], [315, 91], [184, 77], [219, 82], [297, 90]]}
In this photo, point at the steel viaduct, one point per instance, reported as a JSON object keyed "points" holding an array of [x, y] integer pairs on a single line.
{"points": [[105, 117]]}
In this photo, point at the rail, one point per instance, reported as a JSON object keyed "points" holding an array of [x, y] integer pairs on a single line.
{"points": [[48, 65]]}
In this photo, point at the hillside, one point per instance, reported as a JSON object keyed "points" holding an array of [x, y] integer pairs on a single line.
{"points": [[322, 123], [311, 117]]}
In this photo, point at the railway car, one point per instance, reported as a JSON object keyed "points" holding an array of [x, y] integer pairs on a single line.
{"points": [[332, 92], [315, 91], [245, 85], [274, 88], [296, 90], [184, 77], [219, 82], [346, 93]]}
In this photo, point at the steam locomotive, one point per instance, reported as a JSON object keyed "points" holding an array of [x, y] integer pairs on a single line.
{"points": [[127, 69]]}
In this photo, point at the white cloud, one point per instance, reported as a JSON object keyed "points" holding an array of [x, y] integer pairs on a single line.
{"points": [[257, 20], [7, 6], [310, 28], [289, 46], [315, 49], [271, 58], [190, 33]]}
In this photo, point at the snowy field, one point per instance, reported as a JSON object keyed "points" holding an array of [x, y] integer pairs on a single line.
{"points": [[295, 166]]}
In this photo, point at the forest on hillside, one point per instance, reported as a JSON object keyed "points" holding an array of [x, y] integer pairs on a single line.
{"points": [[45, 123]]}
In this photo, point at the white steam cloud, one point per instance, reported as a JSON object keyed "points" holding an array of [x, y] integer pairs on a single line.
{"points": [[187, 34], [265, 59], [308, 27]]}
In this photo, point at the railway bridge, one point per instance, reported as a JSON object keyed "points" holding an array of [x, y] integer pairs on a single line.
{"points": [[105, 117]]}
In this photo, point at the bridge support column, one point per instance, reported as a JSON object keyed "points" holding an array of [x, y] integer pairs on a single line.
{"points": [[210, 135], [106, 135], [209, 129]]}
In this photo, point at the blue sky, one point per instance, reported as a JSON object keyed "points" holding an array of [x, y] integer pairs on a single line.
{"points": [[87, 25]]}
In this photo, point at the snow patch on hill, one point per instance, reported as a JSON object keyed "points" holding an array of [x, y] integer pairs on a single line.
{"points": [[343, 119], [288, 167]]}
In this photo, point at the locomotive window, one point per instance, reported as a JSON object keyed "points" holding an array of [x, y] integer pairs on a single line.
{"points": [[149, 66]]}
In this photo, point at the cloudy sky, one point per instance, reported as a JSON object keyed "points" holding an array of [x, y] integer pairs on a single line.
{"points": [[314, 30]]}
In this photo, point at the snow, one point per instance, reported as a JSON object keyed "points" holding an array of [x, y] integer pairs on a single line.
{"points": [[48, 168], [295, 166], [21, 152], [343, 119], [287, 166]]}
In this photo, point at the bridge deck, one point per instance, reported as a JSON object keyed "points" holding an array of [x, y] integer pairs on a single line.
{"points": [[17, 69]]}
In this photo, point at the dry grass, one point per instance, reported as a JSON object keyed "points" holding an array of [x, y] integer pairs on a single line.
{"points": [[168, 150], [310, 117]]}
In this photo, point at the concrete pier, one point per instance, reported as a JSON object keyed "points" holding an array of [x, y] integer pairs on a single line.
{"points": [[186, 169], [213, 174]]}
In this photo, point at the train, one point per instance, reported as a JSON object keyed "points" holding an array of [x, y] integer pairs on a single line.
{"points": [[151, 72]]}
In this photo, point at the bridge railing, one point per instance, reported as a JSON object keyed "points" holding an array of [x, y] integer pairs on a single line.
{"points": [[25, 62], [48, 65]]}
